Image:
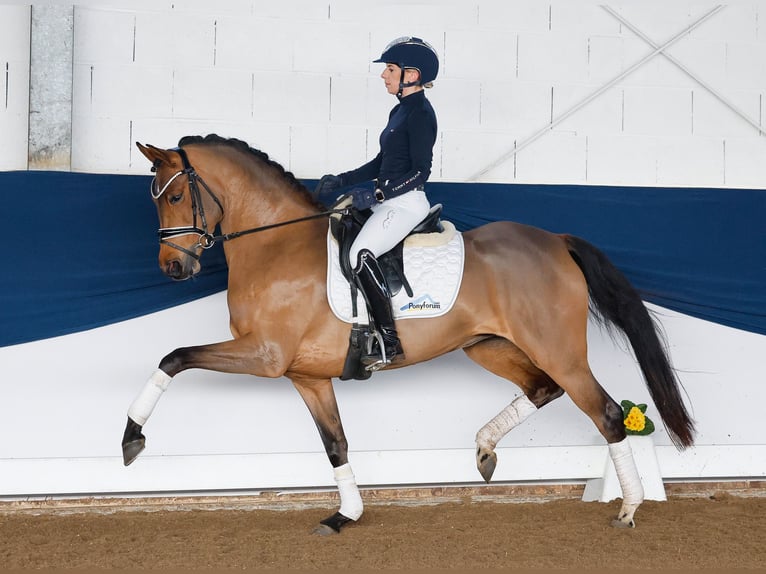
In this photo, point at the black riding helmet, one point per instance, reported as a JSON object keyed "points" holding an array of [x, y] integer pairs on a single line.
{"points": [[410, 52]]}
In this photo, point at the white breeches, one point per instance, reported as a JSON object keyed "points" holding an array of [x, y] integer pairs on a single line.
{"points": [[389, 223]]}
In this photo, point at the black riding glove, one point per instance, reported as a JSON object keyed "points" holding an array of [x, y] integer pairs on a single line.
{"points": [[327, 184], [363, 198]]}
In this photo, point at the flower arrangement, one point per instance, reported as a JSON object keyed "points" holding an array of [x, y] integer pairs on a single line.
{"points": [[636, 421]]}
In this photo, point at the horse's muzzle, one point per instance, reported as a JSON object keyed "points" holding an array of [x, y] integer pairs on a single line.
{"points": [[179, 271]]}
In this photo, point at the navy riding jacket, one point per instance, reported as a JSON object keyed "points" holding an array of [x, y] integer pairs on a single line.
{"points": [[406, 149]]}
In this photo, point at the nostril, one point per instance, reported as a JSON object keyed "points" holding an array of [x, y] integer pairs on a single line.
{"points": [[173, 269]]}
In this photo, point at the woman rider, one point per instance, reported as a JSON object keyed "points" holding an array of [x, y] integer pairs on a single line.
{"points": [[400, 171]]}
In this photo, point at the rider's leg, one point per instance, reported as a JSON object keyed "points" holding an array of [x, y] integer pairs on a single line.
{"points": [[389, 223], [372, 283]]}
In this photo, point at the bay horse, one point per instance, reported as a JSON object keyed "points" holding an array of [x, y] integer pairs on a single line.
{"points": [[521, 311]]}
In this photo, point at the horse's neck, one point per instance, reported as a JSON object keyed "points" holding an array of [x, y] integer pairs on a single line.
{"points": [[293, 239], [259, 202]]}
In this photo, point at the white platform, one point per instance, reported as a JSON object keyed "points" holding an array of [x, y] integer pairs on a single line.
{"points": [[607, 487]]}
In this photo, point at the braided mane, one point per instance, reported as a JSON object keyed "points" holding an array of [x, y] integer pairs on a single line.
{"points": [[215, 139]]}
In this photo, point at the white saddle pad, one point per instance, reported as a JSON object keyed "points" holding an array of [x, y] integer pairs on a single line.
{"points": [[433, 264]]}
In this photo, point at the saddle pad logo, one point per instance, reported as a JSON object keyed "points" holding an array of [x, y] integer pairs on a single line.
{"points": [[434, 272], [421, 303]]}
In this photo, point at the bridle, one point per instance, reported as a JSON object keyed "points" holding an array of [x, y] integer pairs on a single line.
{"points": [[206, 239]]}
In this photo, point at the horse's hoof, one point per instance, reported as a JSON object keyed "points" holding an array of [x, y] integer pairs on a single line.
{"points": [[486, 461], [332, 524], [131, 450], [617, 523], [625, 516], [133, 442], [324, 530]]}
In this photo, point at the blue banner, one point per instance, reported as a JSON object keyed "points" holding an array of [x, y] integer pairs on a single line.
{"points": [[81, 249], [701, 252], [82, 253]]}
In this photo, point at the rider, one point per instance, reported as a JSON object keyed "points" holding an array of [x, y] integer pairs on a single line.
{"points": [[400, 171]]}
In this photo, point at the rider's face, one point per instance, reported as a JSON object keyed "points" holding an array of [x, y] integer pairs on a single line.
{"points": [[391, 76]]}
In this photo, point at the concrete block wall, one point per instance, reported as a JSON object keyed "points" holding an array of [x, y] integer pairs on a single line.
{"points": [[14, 86], [295, 79]]}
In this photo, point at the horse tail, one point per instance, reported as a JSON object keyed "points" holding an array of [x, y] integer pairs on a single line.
{"points": [[614, 302]]}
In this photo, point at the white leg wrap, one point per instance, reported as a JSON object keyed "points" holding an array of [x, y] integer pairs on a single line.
{"points": [[145, 402], [627, 473], [512, 415], [351, 505]]}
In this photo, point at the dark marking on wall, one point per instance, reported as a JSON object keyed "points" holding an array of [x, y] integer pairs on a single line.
{"points": [[215, 41]]}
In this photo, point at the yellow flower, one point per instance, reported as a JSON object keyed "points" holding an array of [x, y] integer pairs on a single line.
{"points": [[636, 420]]}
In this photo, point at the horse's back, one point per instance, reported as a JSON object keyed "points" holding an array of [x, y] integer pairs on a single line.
{"points": [[520, 277], [509, 244]]}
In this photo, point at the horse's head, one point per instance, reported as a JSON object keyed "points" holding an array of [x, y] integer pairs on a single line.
{"points": [[188, 211]]}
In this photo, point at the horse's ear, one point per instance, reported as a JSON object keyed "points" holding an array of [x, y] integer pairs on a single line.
{"points": [[153, 154]]}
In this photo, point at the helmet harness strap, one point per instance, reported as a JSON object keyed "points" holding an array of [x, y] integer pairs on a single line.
{"points": [[403, 84]]}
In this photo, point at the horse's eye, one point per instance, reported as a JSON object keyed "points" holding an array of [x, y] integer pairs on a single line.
{"points": [[176, 198]]}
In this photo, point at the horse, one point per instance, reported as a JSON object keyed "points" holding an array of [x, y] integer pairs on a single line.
{"points": [[521, 311]]}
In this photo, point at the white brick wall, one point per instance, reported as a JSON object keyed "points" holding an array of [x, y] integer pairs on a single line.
{"points": [[14, 86], [746, 64], [657, 111], [480, 54], [711, 118], [515, 15], [560, 157], [517, 107], [744, 162], [604, 115], [690, 161], [622, 160], [296, 79], [553, 56], [103, 36]]}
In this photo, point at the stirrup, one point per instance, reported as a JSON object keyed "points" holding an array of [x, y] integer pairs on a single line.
{"points": [[377, 365], [375, 362]]}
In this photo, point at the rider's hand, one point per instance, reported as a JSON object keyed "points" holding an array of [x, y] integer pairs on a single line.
{"points": [[327, 184]]}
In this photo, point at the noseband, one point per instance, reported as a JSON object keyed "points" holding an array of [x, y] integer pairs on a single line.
{"points": [[206, 239]]}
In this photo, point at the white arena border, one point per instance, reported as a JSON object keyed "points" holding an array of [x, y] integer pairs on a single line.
{"points": [[67, 399]]}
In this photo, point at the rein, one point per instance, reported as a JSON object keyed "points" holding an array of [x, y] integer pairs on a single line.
{"points": [[234, 234], [206, 239]]}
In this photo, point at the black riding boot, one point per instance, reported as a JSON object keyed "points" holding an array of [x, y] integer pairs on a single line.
{"points": [[372, 283]]}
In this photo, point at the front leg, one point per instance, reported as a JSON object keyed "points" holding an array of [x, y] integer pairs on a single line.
{"points": [[243, 356], [319, 396], [133, 440]]}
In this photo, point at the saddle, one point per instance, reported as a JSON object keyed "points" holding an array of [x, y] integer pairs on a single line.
{"points": [[345, 228]]}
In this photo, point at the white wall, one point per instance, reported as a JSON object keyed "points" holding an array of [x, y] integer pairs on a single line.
{"points": [[65, 402], [295, 78], [14, 86]]}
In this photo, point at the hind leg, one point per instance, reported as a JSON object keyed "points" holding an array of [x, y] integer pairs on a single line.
{"points": [[504, 359], [593, 400]]}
